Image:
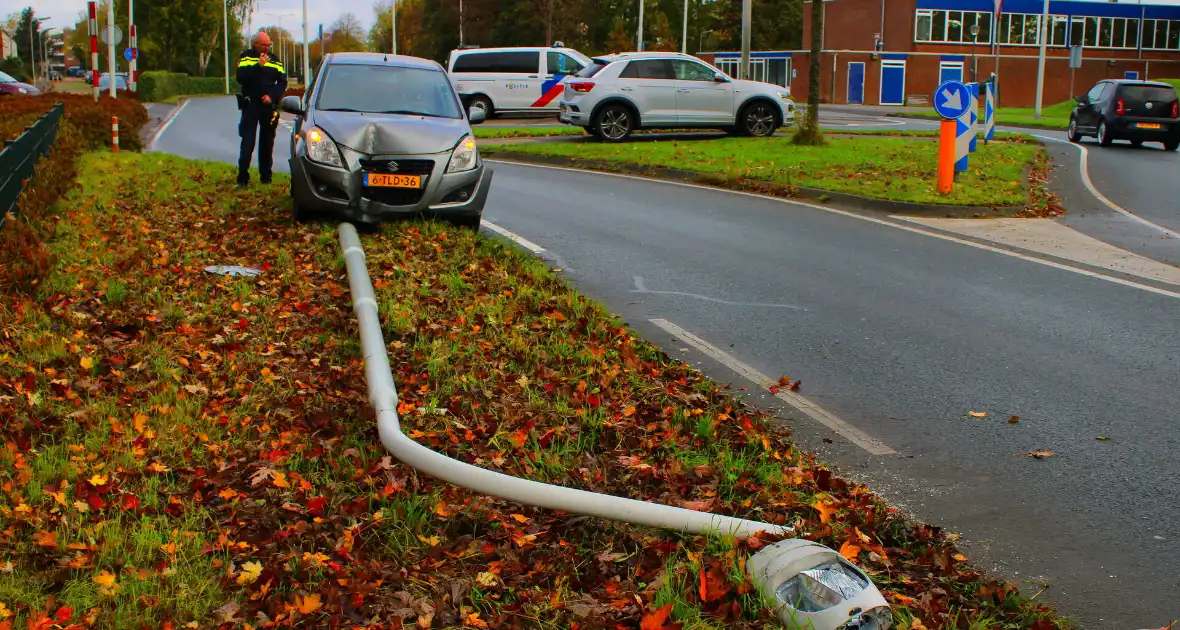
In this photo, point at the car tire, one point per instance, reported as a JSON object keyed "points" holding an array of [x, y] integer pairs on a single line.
{"points": [[471, 222], [1104, 138], [758, 120], [484, 103], [1073, 134], [299, 213], [1171, 145], [1137, 143], [613, 123]]}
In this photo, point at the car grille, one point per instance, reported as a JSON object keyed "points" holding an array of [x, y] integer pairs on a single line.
{"points": [[404, 167], [394, 196]]}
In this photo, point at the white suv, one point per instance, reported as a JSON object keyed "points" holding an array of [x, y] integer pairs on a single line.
{"points": [[618, 94]]}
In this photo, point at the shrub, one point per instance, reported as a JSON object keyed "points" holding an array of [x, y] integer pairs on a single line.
{"points": [[158, 85], [85, 126], [294, 92]]}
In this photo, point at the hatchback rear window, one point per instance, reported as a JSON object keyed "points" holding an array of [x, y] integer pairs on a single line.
{"points": [[1144, 93], [594, 67]]}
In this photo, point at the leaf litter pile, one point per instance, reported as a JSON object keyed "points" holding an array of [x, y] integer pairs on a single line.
{"points": [[188, 450]]}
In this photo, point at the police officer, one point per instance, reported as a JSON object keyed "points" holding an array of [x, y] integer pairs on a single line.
{"points": [[263, 81]]}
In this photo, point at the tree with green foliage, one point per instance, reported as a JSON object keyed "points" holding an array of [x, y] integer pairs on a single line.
{"points": [[27, 26]]}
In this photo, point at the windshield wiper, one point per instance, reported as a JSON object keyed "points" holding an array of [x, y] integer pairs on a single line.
{"points": [[409, 112]]}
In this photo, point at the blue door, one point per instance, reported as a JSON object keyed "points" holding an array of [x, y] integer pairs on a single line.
{"points": [[892, 82], [856, 83], [1131, 75], [950, 71]]}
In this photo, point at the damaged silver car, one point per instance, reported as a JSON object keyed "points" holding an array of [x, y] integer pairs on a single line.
{"points": [[378, 136]]}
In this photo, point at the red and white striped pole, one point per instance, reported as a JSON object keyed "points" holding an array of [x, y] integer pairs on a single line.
{"points": [[93, 8], [134, 69], [114, 134]]}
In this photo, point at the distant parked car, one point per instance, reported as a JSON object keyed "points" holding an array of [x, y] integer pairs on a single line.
{"points": [[104, 82], [76, 71], [9, 85], [382, 136], [1139, 111], [618, 94]]}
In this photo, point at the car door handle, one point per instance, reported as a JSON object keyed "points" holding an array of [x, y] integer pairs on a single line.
{"points": [[683, 91], [626, 89], [532, 76]]}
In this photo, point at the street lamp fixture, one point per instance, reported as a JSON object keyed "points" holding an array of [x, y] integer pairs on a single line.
{"points": [[974, 30]]}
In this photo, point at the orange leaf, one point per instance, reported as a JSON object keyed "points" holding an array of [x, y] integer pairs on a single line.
{"points": [[106, 578], [629, 411], [280, 481], [45, 539], [703, 590], [826, 511], [308, 604], [849, 551], [655, 620]]}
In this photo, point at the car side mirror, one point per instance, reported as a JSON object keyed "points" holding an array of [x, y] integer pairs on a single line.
{"points": [[1080, 99], [292, 105], [476, 115], [720, 78]]}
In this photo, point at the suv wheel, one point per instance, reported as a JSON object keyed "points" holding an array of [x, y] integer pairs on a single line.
{"points": [[1073, 134], [1104, 138], [1171, 145], [758, 120], [613, 123]]}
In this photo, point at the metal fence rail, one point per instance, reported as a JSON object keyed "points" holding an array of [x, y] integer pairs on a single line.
{"points": [[19, 156]]}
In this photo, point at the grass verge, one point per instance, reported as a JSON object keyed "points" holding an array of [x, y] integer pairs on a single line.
{"points": [[895, 169], [1052, 116], [488, 132], [185, 448]]}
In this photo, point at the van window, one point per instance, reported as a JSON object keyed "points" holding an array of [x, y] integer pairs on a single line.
{"points": [[561, 63], [524, 62]]}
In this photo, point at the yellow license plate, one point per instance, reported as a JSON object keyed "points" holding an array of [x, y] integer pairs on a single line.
{"points": [[388, 180], [1147, 125]]}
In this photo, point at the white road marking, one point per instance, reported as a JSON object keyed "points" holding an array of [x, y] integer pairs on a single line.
{"points": [[1085, 166], [516, 238], [799, 402], [641, 287], [860, 217], [163, 127]]}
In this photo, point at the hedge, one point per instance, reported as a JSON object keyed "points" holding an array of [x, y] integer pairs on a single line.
{"points": [[86, 126], [157, 85]]}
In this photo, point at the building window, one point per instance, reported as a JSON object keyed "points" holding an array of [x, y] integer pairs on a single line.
{"points": [[934, 25]]}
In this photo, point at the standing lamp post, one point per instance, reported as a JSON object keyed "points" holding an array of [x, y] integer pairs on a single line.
{"points": [[225, 39], [974, 64], [392, 24]]}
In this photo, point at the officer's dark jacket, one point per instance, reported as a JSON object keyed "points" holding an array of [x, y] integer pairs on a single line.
{"points": [[257, 79]]}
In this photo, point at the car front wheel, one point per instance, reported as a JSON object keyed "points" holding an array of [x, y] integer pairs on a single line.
{"points": [[1104, 138], [1073, 134], [614, 123], [758, 120], [469, 222]]}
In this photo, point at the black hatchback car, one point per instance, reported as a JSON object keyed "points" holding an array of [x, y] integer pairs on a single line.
{"points": [[1139, 111]]}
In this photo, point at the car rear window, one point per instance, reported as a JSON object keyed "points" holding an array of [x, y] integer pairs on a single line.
{"points": [[594, 67], [1144, 93]]}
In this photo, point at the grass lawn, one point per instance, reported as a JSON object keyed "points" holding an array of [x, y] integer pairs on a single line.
{"points": [[525, 132], [898, 169], [185, 448], [1052, 116]]}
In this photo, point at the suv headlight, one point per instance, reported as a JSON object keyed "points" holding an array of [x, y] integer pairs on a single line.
{"points": [[465, 157], [321, 148]]}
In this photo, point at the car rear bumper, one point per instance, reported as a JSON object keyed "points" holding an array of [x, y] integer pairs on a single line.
{"points": [[1169, 128], [572, 114], [342, 192]]}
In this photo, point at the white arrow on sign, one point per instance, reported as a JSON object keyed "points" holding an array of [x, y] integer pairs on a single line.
{"points": [[952, 99]]}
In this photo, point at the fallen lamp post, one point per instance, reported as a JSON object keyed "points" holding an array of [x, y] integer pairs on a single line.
{"points": [[813, 586]]}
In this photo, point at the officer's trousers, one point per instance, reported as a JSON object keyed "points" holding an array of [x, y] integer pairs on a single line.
{"points": [[258, 121]]}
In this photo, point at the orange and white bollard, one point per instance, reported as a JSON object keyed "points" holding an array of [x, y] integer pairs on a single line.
{"points": [[946, 157], [115, 134]]}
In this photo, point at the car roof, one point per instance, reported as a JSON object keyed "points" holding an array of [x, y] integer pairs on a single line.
{"points": [[645, 55], [1138, 82], [463, 51], [381, 59]]}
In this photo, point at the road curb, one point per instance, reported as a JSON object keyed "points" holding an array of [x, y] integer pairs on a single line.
{"points": [[935, 120], [839, 199]]}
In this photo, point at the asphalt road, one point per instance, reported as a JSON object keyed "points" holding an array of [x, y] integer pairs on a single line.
{"points": [[901, 335]]}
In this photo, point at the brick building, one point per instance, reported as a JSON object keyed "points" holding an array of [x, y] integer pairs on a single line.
{"points": [[7, 45], [891, 52]]}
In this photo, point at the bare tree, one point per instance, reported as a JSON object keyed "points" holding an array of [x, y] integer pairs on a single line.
{"points": [[809, 132]]}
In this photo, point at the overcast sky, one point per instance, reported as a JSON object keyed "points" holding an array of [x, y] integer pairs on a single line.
{"points": [[65, 12]]}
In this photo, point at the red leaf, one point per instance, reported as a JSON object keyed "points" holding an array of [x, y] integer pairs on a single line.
{"points": [[130, 502], [774, 389], [63, 614], [703, 589], [316, 506], [795, 386], [242, 324], [593, 400]]}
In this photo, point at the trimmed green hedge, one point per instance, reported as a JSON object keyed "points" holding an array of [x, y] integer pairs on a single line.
{"points": [[158, 85]]}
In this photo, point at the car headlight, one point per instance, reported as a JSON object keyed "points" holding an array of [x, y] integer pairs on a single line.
{"points": [[786, 96], [23, 90], [465, 157], [321, 148]]}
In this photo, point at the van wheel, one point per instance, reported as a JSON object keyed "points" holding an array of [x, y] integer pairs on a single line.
{"points": [[614, 123], [484, 103]]}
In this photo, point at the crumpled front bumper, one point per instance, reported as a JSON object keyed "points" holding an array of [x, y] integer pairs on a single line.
{"points": [[322, 188]]}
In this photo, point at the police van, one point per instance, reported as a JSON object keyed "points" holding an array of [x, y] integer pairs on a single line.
{"points": [[514, 79]]}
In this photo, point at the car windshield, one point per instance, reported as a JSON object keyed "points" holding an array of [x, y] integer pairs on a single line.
{"points": [[1145, 93], [5, 78], [388, 89], [105, 82]]}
